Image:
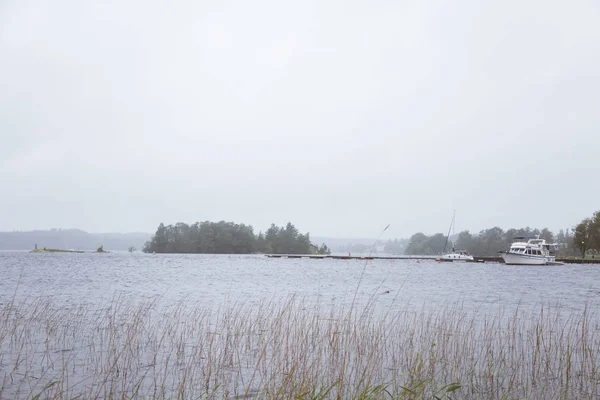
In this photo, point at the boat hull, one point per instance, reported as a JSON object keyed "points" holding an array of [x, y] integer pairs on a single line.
{"points": [[455, 257], [523, 259]]}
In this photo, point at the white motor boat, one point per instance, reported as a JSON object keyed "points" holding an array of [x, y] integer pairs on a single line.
{"points": [[530, 250]]}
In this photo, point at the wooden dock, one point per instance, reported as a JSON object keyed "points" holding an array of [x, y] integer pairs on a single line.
{"points": [[400, 257], [339, 257], [578, 261]]}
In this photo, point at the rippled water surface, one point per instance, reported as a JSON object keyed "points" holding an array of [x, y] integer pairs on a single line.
{"points": [[96, 278], [219, 326]]}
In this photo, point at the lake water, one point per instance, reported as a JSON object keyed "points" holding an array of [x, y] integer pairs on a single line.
{"points": [[66, 316], [96, 278]]}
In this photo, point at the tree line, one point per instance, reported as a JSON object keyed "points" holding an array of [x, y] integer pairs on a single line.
{"points": [[489, 241], [230, 238]]}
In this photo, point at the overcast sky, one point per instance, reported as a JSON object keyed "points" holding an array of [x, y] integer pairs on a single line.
{"points": [[340, 116]]}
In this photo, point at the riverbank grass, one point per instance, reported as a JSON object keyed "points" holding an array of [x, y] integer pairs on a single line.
{"points": [[293, 349]]}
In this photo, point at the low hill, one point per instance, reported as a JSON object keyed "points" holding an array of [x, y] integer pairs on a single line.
{"points": [[75, 239]]}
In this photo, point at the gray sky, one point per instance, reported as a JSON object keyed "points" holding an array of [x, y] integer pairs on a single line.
{"points": [[340, 116]]}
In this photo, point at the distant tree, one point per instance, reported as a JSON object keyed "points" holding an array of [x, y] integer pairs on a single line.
{"points": [[261, 244], [159, 242], [492, 240], [466, 242], [547, 235], [287, 240], [422, 244], [582, 237], [436, 244], [273, 239], [594, 230], [323, 249], [415, 245], [131, 249]]}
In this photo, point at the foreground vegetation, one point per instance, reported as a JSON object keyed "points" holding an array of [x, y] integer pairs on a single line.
{"points": [[230, 238], [294, 349]]}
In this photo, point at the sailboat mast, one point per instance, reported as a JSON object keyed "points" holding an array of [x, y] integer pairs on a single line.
{"points": [[449, 228]]}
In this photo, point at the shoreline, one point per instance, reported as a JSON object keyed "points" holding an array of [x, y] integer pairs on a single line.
{"points": [[65, 251]]}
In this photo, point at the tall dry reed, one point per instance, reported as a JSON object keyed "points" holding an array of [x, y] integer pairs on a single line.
{"points": [[294, 349]]}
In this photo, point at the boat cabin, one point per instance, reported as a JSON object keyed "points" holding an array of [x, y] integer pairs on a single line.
{"points": [[532, 245]]}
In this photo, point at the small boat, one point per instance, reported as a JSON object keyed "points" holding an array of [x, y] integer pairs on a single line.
{"points": [[456, 255], [530, 250]]}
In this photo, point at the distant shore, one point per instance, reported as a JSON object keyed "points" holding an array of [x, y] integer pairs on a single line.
{"points": [[65, 251], [55, 251]]}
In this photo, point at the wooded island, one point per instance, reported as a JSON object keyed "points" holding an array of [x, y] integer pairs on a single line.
{"points": [[230, 238]]}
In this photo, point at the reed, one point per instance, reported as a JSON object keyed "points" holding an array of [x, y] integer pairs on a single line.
{"points": [[294, 349]]}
